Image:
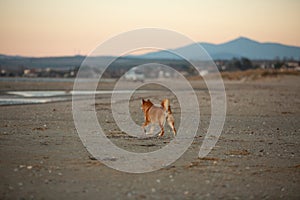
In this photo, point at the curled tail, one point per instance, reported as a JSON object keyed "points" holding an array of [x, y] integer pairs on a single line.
{"points": [[165, 104]]}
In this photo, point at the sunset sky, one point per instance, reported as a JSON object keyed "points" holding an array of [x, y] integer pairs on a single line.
{"points": [[66, 27]]}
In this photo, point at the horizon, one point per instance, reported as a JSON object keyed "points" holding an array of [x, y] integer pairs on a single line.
{"points": [[150, 51], [55, 28]]}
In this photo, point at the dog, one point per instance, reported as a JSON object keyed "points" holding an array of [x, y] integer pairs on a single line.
{"points": [[158, 114]]}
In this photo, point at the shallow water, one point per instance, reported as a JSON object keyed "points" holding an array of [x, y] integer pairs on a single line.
{"points": [[45, 79], [20, 101], [36, 97]]}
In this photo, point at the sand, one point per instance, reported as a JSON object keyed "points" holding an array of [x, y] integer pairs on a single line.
{"points": [[256, 157]]}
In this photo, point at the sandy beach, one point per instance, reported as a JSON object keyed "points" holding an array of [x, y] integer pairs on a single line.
{"points": [[256, 157]]}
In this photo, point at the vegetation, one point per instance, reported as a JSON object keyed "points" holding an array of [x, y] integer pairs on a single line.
{"points": [[69, 66]]}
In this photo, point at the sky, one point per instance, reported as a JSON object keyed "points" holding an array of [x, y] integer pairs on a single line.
{"points": [[70, 27]]}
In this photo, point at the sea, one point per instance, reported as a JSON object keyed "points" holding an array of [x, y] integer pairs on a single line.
{"points": [[15, 97]]}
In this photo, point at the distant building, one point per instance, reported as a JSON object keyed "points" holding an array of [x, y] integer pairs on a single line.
{"points": [[29, 73], [3, 72], [293, 64], [134, 75]]}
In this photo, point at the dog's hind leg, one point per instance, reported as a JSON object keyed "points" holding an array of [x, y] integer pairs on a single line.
{"points": [[173, 128], [162, 130], [171, 124]]}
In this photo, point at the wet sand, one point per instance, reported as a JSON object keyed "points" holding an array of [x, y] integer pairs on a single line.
{"points": [[256, 157]]}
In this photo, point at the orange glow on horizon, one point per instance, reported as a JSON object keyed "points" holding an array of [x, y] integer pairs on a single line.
{"points": [[57, 28]]}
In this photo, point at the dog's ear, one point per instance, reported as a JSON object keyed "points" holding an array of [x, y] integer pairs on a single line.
{"points": [[143, 100]]}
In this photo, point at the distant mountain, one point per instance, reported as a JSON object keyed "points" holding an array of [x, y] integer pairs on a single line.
{"points": [[240, 47]]}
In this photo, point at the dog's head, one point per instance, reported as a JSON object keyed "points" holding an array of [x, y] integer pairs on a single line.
{"points": [[146, 105]]}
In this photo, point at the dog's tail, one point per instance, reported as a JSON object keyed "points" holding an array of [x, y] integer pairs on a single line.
{"points": [[165, 104]]}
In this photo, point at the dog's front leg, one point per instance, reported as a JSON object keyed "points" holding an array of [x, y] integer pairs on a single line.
{"points": [[151, 130]]}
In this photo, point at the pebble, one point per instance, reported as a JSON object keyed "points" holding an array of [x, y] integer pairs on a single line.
{"points": [[129, 194], [186, 192], [84, 190], [29, 167], [157, 180]]}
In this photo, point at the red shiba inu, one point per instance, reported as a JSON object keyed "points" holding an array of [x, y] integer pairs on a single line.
{"points": [[158, 114]]}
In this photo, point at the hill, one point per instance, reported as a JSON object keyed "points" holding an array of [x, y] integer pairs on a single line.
{"points": [[240, 47]]}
